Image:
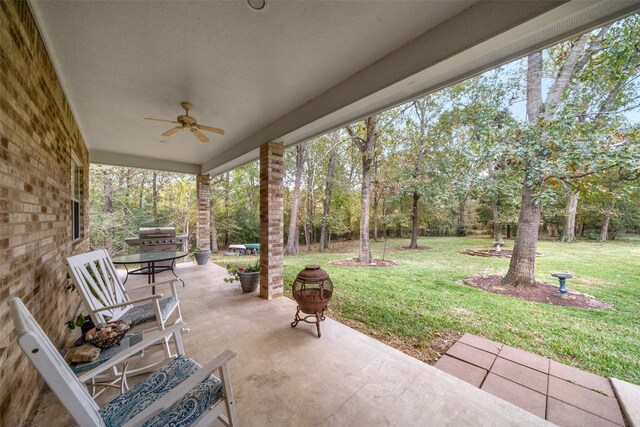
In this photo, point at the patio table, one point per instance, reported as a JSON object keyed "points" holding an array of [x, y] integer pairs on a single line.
{"points": [[150, 269]]}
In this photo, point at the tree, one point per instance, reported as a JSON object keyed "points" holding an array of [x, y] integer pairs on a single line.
{"points": [[423, 116], [325, 232], [556, 143], [365, 137], [293, 241]]}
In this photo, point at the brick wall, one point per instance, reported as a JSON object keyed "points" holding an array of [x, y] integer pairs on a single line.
{"points": [[38, 137], [271, 220]]}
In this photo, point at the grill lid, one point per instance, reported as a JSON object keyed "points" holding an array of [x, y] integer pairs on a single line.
{"points": [[146, 232]]}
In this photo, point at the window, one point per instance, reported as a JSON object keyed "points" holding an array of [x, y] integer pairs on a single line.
{"points": [[76, 196]]}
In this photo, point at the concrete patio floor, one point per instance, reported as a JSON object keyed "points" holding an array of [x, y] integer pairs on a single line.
{"points": [[286, 376]]}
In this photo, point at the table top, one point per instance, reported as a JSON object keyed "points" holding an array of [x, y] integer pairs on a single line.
{"points": [[146, 257]]}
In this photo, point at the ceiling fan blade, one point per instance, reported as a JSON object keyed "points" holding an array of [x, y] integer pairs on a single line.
{"points": [[172, 131], [199, 135], [210, 129], [161, 120]]}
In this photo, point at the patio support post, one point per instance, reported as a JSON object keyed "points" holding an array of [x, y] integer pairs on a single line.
{"points": [[203, 211], [271, 220]]}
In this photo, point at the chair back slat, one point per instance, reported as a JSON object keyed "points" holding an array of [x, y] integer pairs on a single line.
{"points": [[50, 364], [98, 283]]}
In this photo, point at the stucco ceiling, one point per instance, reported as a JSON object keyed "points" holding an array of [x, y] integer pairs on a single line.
{"points": [[286, 73]]}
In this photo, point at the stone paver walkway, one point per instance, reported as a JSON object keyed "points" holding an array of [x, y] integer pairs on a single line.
{"points": [[561, 394]]}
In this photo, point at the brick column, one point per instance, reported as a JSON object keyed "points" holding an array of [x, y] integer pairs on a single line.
{"points": [[271, 220], [203, 211]]}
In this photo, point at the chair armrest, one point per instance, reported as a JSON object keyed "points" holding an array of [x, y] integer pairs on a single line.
{"points": [[130, 302], [171, 283], [145, 287], [148, 339], [181, 389]]}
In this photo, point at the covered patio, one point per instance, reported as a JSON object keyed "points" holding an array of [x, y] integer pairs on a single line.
{"points": [[78, 79], [285, 376]]}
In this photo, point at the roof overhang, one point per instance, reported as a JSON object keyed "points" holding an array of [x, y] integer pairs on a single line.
{"points": [[471, 40]]}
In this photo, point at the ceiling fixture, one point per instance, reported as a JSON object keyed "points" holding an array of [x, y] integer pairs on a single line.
{"points": [[257, 4], [186, 121]]}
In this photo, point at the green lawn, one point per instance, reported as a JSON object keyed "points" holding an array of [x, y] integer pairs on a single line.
{"points": [[417, 304]]}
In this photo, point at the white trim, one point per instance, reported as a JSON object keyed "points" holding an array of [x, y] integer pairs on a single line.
{"points": [[118, 159]]}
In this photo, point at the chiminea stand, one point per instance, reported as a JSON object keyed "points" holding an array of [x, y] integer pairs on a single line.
{"points": [[317, 318]]}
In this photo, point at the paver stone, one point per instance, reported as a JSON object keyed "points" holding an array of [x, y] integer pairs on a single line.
{"points": [[521, 396], [565, 415], [525, 358], [463, 370], [586, 399], [472, 355], [481, 343], [577, 376], [520, 374]]}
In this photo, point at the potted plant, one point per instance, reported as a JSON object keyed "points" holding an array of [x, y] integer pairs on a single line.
{"points": [[249, 276], [82, 321], [202, 255]]}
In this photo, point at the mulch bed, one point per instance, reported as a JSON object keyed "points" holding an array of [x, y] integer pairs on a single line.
{"points": [[419, 248], [504, 253], [353, 262], [541, 292]]}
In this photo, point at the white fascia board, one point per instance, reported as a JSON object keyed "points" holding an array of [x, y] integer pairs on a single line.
{"points": [[242, 160], [483, 36], [119, 159]]}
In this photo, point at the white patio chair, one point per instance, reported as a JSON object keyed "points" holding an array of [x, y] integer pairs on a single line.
{"points": [[105, 297], [179, 394]]}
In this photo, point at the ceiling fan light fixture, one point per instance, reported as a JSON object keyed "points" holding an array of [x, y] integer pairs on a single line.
{"points": [[257, 4]]}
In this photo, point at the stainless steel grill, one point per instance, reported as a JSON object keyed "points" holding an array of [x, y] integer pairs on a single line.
{"points": [[158, 239]]}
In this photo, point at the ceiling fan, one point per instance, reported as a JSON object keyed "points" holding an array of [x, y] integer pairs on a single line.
{"points": [[186, 121]]}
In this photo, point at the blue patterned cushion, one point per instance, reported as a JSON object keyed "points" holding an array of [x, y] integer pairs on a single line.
{"points": [[141, 314], [182, 413], [185, 411]]}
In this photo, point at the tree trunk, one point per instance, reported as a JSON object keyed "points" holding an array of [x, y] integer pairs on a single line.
{"points": [[186, 219], [414, 221], [326, 205], [460, 230], [497, 226], [155, 198], [366, 146], [604, 230], [107, 193], [214, 228], [522, 265], [225, 240], [309, 233], [293, 245], [569, 231], [364, 254], [508, 231], [141, 193], [375, 216]]}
